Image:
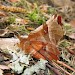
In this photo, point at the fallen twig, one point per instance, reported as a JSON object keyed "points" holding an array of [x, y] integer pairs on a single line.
{"points": [[60, 68], [56, 71], [70, 51], [65, 65]]}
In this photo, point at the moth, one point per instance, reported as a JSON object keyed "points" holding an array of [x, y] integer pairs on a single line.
{"points": [[42, 42]]}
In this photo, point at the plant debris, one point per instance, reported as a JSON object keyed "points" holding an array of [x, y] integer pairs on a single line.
{"points": [[37, 37]]}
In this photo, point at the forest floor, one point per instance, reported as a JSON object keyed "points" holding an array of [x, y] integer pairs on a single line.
{"points": [[37, 37]]}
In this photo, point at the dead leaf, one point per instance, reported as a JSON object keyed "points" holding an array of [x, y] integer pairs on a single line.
{"points": [[2, 14], [8, 43], [21, 21], [62, 3], [44, 8], [1, 57], [72, 35], [14, 0], [8, 74], [4, 67], [72, 23], [29, 28], [3, 32]]}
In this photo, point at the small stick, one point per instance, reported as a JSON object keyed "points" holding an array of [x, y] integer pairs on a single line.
{"points": [[56, 71], [65, 65], [60, 68], [70, 51]]}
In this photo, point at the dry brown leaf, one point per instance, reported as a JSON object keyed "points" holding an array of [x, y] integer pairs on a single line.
{"points": [[4, 67], [8, 43], [8, 74], [62, 3], [44, 8], [72, 23], [72, 35], [14, 0], [3, 32], [2, 14], [1, 57]]}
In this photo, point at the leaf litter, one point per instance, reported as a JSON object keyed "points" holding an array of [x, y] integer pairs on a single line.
{"points": [[44, 42]]}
